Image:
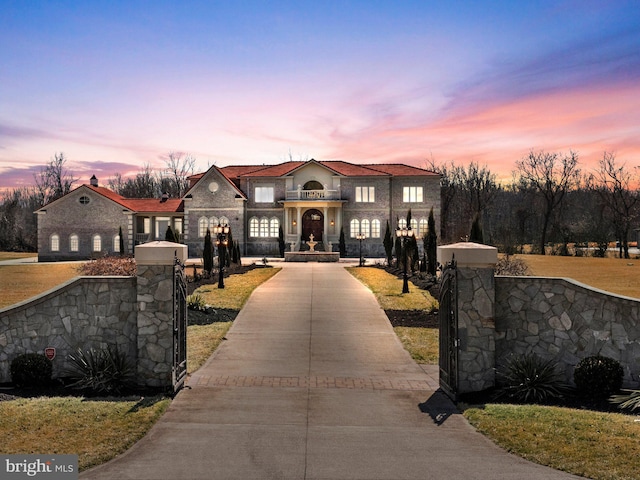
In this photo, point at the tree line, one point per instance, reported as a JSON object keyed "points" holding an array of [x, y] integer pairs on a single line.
{"points": [[549, 203]]}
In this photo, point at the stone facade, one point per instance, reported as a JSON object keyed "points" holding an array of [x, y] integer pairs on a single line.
{"points": [[325, 188], [133, 313], [86, 312], [565, 321]]}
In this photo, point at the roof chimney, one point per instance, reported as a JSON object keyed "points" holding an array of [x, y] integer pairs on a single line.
{"points": [[165, 197], [93, 181]]}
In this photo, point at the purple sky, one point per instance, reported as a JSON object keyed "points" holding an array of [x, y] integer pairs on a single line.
{"points": [[119, 85]]}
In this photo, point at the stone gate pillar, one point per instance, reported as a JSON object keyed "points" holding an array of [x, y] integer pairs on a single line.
{"points": [[155, 261], [476, 313]]}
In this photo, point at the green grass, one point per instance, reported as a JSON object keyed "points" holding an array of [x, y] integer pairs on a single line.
{"points": [[597, 445], [99, 430], [421, 343], [95, 430]]}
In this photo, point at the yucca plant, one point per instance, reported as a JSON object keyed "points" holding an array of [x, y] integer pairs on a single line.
{"points": [[530, 379], [630, 400], [107, 371], [195, 301]]}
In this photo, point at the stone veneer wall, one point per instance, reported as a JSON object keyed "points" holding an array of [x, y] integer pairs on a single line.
{"points": [[566, 321], [83, 313], [155, 324], [476, 359]]}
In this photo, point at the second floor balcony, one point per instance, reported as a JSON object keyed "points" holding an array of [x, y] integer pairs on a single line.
{"points": [[300, 194]]}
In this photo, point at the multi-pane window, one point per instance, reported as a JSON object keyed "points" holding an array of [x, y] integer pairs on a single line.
{"points": [[223, 221], [263, 195], [423, 227], [97, 243], [274, 227], [365, 228], [74, 243], [412, 194], [414, 225], [203, 224], [116, 244], [375, 228], [402, 223], [254, 227], [365, 194], [354, 228], [55, 242], [264, 227]]}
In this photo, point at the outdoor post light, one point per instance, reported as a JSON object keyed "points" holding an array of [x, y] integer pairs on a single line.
{"points": [[360, 237], [404, 234], [222, 236]]}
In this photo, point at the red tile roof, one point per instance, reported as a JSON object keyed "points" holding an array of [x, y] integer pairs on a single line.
{"points": [[400, 170], [141, 205]]}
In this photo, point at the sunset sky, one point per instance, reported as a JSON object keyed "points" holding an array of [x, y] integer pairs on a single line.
{"points": [[116, 85]]}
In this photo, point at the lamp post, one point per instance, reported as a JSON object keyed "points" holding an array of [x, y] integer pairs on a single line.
{"points": [[222, 239], [404, 234], [360, 237]]}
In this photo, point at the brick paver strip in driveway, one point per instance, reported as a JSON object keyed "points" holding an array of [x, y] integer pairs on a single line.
{"points": [[313, 384]]}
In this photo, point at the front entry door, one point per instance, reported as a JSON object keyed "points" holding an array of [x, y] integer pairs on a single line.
{"points": [[312, 223]]}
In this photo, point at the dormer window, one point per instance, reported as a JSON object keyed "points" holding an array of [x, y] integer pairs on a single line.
{"points": [[84, 200]]}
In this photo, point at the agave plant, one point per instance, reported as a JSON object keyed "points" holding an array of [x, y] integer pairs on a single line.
{"points": [[106, 371], [627, 401], [530, 379]]}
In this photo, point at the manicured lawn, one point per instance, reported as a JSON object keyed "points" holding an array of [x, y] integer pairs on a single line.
{"points": [[20, 282], [611, 274], [95, 430], [602, 446], [15, 255], [99, 430]]}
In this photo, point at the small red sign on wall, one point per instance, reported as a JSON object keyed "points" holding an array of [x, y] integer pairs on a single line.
{"points": [[50, 353]]}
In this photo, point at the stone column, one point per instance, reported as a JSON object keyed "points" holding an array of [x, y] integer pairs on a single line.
{"points": [[298, 224], [476, 313], [155, 262]]}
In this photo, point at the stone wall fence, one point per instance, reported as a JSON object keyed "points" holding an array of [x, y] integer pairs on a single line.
{"points": [[134, 314], [555, 318]]}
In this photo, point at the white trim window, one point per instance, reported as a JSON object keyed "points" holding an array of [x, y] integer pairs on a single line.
{"points": [[274, 227], [414, 225], [223, 221], [375, 228], [365, 228], [402, 223], [203, 224], [74, 243], [213, 222], [412, 194], [254, 227], [96, 241], [354, 228], [263, 194], [365, 194], [423, 227], [116, 244], [264, 227], [54, 242]]}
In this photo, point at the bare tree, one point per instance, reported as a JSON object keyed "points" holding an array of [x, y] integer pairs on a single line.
{"points": [[54, 180], [551, 176], [178, 168], [613, 184]]}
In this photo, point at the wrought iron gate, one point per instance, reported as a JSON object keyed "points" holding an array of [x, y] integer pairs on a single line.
{"points": [[448, 314], [179, 370]]}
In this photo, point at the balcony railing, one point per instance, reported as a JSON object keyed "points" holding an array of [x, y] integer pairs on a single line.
{"points": [[313, 195]]}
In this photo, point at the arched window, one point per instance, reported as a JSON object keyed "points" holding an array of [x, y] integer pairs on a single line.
{"points": [[364, 228], [354, 228], [223, 221], [203, 224], [54, 242], [74, 243], [264, 227], [254, 225], [375, 228], [414, 226], [402, 223], [213, 222], [116, 244], [274, 227], [97, 243], [423, 227]]}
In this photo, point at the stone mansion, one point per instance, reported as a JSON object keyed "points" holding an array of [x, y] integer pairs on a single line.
{"points": [[302, 198]]}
